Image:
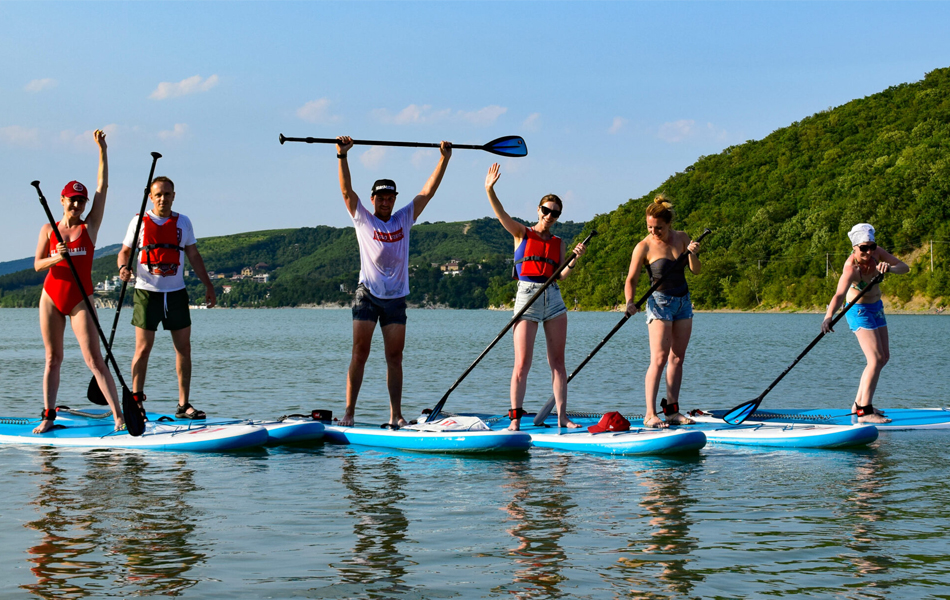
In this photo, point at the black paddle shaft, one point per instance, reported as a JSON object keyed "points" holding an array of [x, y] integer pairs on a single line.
{"points": [[85, 296], [740, 413], [438, 407], [510, 145], [93, 393], [546, 410]]}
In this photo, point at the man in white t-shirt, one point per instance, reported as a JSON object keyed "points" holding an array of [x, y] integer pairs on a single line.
{"points": [[165, 239], [383, 237]]}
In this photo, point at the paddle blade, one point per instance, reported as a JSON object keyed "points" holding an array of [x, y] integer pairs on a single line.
{"points": [[94, 394], [510, 145], [742, 412], [132, 413]]}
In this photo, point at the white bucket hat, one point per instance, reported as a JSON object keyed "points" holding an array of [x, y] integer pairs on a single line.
{"points": [[860, 233]]}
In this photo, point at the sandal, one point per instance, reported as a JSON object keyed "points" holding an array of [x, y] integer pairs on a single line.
{"points": [[182, 412]]}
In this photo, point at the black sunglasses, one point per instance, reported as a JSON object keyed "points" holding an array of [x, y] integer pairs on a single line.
{"points": [[550, 211], [868, 247]]}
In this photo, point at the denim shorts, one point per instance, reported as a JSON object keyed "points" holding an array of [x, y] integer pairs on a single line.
{"points": [[866, 316], [548, 305], [662, 307], [367, 307]]}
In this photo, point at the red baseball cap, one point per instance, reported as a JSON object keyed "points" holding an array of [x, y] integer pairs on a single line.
{"points": [[74, 188], [612, 421]]}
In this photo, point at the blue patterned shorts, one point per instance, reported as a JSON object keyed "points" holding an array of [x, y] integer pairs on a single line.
{"points": [[866, 316]]}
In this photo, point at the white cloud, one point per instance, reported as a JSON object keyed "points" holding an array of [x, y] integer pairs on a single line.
{"points": [[85, 142], [424, 157], [179, 131], [38, 85], [532, 123], [15, 135], [484, 116], [617, 125], [423, 114], [686, 129], [677, 131], [317, 111], [373, 157], [192, 85]]}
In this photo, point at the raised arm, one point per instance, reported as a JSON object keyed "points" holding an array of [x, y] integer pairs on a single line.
{"points": [[343, 145], [428, 190], [516, 229], [633, 277], [94, 218]]}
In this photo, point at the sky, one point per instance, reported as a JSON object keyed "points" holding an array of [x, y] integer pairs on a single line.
{"points": [[612, 98]]}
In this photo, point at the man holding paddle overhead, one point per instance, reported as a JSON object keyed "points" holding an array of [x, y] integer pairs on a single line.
{"points": [[165, 239], [383, 237]]}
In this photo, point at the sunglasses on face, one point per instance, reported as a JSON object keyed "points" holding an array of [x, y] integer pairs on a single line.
{"points": [[868, 247], [554, 213]]}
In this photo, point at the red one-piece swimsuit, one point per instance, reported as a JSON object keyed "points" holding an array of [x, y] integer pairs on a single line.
{"points": [[60, 283]]}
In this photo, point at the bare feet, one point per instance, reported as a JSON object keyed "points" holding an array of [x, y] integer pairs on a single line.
{"points": [[44, 426], [678, 419], [346, 421], [568, 424], [515, 425], [875, 418], [655, 422]]}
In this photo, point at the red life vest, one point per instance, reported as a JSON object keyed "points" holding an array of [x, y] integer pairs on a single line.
{"points": [[536, 257], [160, 246]]}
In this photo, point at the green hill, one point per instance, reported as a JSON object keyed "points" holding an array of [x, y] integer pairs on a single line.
{"points": [[780, 207]]}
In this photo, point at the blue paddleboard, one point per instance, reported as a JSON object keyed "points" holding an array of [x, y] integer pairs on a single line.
{"points": [[786, 435], [293, 429], [901, 418], [429, 441], [77, 429]]}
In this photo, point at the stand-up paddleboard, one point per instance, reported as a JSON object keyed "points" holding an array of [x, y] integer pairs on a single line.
{"points": [[290, 429], [901, 418], [447, 435], [77, 430], [635, 441], [788, 435]]}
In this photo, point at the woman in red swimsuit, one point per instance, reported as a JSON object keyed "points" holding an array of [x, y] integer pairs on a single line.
{"points": [[61, 296]]}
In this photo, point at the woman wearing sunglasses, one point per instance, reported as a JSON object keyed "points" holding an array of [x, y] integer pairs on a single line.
{"points": [[669, 308], [62, 297], [538, 253], [866, 318]]}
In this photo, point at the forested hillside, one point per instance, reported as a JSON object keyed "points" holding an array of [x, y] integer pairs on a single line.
{"points": [[780, 207]]}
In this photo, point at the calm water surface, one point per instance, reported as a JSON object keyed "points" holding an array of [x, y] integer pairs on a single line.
{"points": [[342, 522]]}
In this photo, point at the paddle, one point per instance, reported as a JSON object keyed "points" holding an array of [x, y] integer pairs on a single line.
{"points": [[134, 420], [509, 145], [438, 407], [549, 405], [742, 412], [93, 393]]}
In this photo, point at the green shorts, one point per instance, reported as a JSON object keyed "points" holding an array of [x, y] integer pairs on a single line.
{"points": [[168, 308]]}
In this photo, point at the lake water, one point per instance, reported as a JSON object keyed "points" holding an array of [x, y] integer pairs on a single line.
{"points": [[343, 522]]}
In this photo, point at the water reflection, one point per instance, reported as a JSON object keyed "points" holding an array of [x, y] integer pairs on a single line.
{"points": [[654, 564], [121, 526], [539, 510], [376, 565]]}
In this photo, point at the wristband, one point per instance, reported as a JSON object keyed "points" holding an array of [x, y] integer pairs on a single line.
{"points": [[341, 155]]}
